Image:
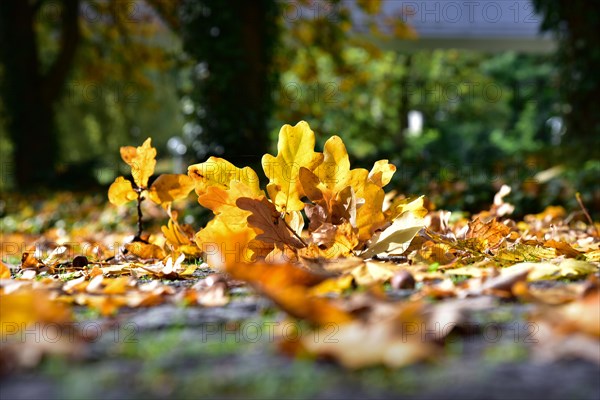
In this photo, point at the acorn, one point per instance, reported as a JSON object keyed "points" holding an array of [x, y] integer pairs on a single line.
{"points": [[80, 262], [403, 280]]}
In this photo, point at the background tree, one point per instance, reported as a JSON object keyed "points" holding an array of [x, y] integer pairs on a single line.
{"points": [[30, 91], [232, 43], [100, 65], [577, 26]]}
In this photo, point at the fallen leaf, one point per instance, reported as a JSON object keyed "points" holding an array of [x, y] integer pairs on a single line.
{"points": [[289, 287], [374, 272], [334, 241], [28, 261], [265, 217], [4, 271], [568, 268], [332, 286], [180, 238], [382, 172], [170, 187], [225, 244], [145, 251], [400, 206], [525, 252], [295, 149], [394, 342], [484, 236], [219, 173], [563, 248], [397, 237]]}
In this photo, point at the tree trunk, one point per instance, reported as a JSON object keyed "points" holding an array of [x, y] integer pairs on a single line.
{"points": [[582, 85], [29, 95], [404, 108], [235, 40]]}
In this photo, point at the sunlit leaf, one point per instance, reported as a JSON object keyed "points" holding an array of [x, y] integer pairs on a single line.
{"points": [[373, 272], [483, 236], [265, 217], [289, 287], [526, 252], [568, 268], [382, 172], [397, 237], [29, 261], [170, 187], [295, 149], [121, 192], [225, 244], [145, 251], [219, 173], [394, 342], [4, 271], [142, 161], [401, 205]]}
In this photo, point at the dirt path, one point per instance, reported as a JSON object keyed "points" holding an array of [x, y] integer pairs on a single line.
{"points": [[227, 352]]}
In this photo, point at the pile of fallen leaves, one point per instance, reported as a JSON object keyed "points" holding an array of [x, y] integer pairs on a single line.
{"points": [[371, 274]]}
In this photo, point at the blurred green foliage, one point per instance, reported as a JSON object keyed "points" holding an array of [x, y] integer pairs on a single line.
{"points": [[488, 118], [576, 25]]}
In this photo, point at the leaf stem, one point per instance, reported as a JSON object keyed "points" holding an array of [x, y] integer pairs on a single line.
{"points": [[140, 222], [586, 213], [293, 231]]}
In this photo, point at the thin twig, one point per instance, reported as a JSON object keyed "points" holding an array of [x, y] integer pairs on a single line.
{"points": [[586, 213], [294, 232], [139, 212]]}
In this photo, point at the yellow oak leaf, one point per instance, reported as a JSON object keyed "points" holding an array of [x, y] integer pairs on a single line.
{"points": [[334, 172], [121, 192], [170, 187], [21, 309], [106, 305], [142, 161], [295, 149], [224, 244], [394, 342], [369, 216], [568, 268], [219, 184], [128, 153], [563, 248], [336, 175], [372, 272], [526, 252], [334, 241], [382, 172], [4, 271], [397, 237], [289, 286], [145, 250], [223, 201], [335, 168], [219, 173], [116, 285], [402, 205], [483, 236], [335, 285], [174, 234], [179, 238]]}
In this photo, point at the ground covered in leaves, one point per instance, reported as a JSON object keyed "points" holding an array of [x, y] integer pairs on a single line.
{"points": [[322, 286]]}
